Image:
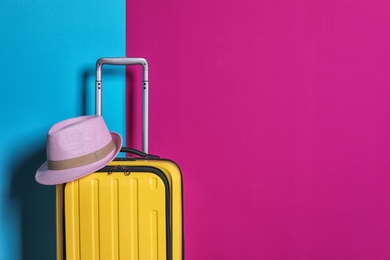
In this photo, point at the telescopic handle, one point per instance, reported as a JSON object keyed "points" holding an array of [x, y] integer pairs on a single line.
{"points": [[124, 61]]}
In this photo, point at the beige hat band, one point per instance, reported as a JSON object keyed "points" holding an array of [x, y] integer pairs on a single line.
{"points": [[82, 160]]}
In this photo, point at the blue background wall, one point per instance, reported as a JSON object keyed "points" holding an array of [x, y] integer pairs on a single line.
{"points": [[47, 61]]}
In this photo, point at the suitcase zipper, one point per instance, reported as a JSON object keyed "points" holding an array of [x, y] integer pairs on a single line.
{"points": [[117, 168]]}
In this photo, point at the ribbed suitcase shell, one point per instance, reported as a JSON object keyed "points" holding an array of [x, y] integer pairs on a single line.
{"points": [[129, 213]]}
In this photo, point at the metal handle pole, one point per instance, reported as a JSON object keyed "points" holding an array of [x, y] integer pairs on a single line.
{"points": [[123, 61]]}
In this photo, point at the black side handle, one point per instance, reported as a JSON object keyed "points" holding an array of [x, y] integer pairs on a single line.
{"points": [[138, 152]]}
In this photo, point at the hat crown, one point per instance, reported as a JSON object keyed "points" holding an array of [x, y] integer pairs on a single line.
{"points": [[76, 137]]}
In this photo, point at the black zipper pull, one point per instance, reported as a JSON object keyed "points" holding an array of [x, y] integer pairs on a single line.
{"points": [[119, 168]]}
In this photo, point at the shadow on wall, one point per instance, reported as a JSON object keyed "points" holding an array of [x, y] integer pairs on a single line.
{"points": [[87, 90], [37, 210], [37, 202], [130, 107]]}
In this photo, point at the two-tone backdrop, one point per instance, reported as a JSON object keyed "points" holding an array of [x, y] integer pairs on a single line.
{"points": [[277, 112]]}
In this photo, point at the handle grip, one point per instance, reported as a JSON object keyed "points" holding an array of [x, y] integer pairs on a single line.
{"points": [[137, 152], [124, 61]]}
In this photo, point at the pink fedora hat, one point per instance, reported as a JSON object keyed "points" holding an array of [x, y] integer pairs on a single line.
{"points": [[77, 147]]}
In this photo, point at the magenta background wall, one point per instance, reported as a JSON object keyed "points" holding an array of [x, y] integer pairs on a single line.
{"points": [[278, 114]]}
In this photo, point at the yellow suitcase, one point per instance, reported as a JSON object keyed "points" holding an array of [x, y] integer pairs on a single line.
{"points": [[131, 209]]}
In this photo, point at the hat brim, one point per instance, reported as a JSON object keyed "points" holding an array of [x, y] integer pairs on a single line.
{"points": [[53, 177]]}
